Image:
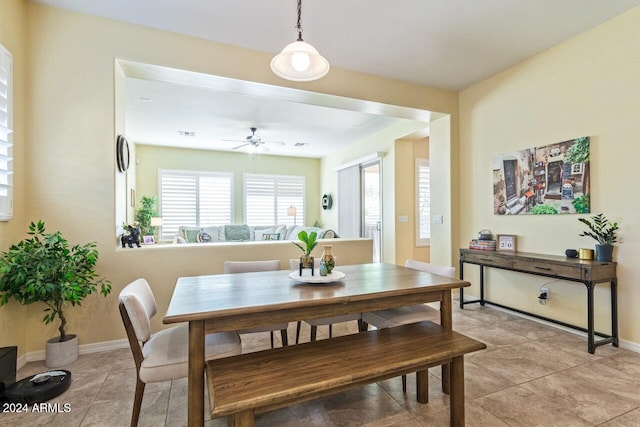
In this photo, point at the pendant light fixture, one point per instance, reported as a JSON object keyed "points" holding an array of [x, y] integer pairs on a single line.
{"points": [[299, 61]]}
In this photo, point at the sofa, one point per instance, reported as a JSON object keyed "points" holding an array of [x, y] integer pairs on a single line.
{"points": [[246, 233]]}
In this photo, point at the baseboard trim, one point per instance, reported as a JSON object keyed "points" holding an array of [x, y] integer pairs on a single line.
{"points": [[35, 356], [627, 345]]}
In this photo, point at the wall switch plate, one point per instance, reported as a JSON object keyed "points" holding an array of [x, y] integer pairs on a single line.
{"points": [[403, 218], [437, 219]]}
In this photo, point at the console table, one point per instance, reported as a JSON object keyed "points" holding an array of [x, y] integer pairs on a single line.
{"points": [[588, 272]]}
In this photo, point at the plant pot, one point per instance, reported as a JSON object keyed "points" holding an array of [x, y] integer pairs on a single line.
{"points": [[61, 353], [306, 261], [604, 253]]}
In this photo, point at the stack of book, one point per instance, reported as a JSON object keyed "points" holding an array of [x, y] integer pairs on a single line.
{"points": [[484, 245]]}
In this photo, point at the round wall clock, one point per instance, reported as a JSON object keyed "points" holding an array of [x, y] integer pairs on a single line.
{"points": [[122, 153], [327, 201]]}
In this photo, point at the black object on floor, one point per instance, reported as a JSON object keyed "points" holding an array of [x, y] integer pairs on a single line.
{"points": [[39, 387]]}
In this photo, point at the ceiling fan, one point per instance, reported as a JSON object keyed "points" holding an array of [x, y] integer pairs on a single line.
{"points": [[254, 142]]}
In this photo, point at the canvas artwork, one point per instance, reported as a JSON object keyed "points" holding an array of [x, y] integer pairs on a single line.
{"points": [[552, 179]]}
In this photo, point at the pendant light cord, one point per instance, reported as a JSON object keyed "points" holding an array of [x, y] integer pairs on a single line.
{"points": [[299, 25]]}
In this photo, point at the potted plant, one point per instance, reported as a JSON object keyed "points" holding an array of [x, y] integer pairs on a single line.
{"points": [[604, 232], [43, 268], [309, 240], [145, 213]]}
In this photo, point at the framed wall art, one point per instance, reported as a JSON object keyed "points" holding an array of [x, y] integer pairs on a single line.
{"points": [[552, 179]]}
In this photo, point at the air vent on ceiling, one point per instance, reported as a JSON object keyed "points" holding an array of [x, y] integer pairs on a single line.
{"points": [[186, 133]]}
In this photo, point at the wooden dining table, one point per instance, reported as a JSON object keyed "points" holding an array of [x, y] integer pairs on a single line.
{"points": [[228, 302]]}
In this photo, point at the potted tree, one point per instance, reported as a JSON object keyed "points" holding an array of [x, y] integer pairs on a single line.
{"points": [[604, 232], [308, 241], [43, 268], [144, 214]]}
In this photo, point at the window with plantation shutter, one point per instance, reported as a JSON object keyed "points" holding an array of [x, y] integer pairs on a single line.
{"points": [[423, 202], [6, 135], [197, 199], [267, 198]]}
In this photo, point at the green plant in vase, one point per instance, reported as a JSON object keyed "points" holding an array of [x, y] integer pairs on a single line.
{"points": [[308, 241], [604, 232], [43, 268]]}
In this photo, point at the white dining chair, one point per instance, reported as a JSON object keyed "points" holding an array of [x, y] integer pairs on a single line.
{"points": [[294, 264], [162, 356], [409, 314], [231, 267]]}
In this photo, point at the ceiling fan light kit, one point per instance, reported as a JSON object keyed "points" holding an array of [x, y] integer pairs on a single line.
{"points": [[299, 61], [254, 143]]}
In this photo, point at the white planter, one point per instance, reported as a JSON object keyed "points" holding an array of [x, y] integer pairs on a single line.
{"points": [[61, 353]]}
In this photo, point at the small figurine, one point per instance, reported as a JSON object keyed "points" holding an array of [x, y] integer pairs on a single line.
{"points": [[131, 236]]}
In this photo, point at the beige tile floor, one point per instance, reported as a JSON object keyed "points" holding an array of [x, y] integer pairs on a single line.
{"points": [[530, 375]]}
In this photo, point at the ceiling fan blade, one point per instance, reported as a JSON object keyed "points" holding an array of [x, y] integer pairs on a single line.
{"points": [[275, 142], [240, 146], [233, 140]]}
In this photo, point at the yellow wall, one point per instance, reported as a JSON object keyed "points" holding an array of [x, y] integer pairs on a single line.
{"points": [[405, 235], [152, 158], [586, 86], [405, 199], [70, 177], [13, 31]]}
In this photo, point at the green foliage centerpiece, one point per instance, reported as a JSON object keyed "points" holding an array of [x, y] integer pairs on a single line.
{"points": [[308, 241]]}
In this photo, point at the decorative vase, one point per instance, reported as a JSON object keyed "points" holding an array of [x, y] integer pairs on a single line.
{"points": [[604, 253], [323, 268], [328, 259], [61, 353]]}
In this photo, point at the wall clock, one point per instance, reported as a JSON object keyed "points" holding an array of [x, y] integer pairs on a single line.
{"points": [[122, 153], [327, 201]]}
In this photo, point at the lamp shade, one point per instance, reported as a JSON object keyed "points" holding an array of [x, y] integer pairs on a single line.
{"points": [[300, 62], [292, 211], [156, 222]]}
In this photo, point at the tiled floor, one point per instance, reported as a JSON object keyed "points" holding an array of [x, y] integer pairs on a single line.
{"points": [[530, 375]]}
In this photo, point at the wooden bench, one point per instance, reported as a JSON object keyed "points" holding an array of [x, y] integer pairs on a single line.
{"points": [[252, 383]]}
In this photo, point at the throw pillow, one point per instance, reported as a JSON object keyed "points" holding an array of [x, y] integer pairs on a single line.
{"points": [[271, 236], [203, 237], [237, 232], [192, 234]]}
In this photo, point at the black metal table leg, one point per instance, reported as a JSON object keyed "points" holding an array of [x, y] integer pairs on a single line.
{"points": [[614, 311], [590, 335], [461, 289], [482, 285]]}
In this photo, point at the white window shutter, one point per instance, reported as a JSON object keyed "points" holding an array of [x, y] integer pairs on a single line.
{"points": [[6, 134], [423, 202], [194, 199], [267, 198]]}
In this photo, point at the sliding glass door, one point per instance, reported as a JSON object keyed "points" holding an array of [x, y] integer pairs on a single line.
{"points": [[371, 206]]}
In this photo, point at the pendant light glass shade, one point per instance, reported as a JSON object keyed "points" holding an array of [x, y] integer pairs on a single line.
{"points": [[300, 62]]}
